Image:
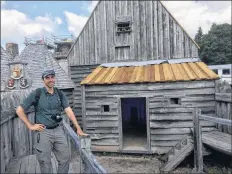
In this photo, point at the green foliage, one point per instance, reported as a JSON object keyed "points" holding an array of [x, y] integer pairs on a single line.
{"points": [[215, 47], [199, 35]]}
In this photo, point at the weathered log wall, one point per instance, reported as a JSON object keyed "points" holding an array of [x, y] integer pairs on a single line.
{"points": [[223, 104], [168, 122], [78, 73], [155, 34], [16, 139]]}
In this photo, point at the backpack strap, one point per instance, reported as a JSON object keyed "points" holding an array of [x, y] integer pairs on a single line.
{"points": [[37, 97], [60, 95]]}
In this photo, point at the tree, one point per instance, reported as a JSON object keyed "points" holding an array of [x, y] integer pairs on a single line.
{"points": [[199, 35], [215, 47]]}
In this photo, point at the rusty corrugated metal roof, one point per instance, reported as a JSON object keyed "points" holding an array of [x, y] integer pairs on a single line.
{"points": [[150, 73]]}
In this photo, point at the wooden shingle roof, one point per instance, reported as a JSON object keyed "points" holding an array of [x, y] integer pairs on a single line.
{"points": [[5, 59], [165, 72], [38, 58]]}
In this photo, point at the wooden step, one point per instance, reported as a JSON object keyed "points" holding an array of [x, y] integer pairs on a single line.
{"points": [[177, 154]]}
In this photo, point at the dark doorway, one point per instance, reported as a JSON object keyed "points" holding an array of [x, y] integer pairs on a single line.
{"points": [[134, 127]]}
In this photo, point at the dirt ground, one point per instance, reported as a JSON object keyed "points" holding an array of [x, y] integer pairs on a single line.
{"points": [[135, 163]]}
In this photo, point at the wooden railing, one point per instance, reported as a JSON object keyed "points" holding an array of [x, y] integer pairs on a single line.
{"points": [[223, 99], [198, 157], [89, 163]]}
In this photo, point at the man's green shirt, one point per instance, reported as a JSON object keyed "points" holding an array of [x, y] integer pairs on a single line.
{"points": [[48, 105]]}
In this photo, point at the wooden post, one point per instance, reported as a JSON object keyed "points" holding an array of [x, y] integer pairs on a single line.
{"points": [[83, 108], [85, 143], [198, 158]]}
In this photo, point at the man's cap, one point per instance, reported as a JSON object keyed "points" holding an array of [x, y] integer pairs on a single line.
{"points": [[48, 72]]}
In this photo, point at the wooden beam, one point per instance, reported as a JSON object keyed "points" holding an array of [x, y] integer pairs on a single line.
{"points": [[83, 108], [216, 120], [225, 97], [148, 125], [198, 157], [120, 124]]}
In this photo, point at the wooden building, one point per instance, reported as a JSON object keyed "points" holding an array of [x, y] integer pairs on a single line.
{"points": [[131, 30], [119, 31], [146, 106], [5, 59], [24, 72]]}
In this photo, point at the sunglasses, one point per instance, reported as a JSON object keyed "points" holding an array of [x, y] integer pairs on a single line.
{"points": [[49, 77]]}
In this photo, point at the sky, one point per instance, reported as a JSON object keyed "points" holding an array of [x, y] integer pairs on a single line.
{"points": [[20, 19]]}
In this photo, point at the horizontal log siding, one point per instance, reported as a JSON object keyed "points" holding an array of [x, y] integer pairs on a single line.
{"points": [[155, 35], [78, 73], [168, 123]]}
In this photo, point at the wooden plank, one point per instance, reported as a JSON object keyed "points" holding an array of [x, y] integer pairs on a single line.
{"points": [[229, 117], [224, 116], [187, 70], [197, 71], [177, 124], [198, 157], [32, 162], [167, 137], [177, 74], [207, 70], [164, 143], [160, 30], [120, 124], [168, 75], [102, 130], [160, 150], [101, 124], [106, 142], [92, 75], [178, 157], [83, 104], [103, 136], [157, 73], [148, 125], [155, 86], [218, 140], [14, 166], [100, 76], [24, 165], [225, 97], [177, 117], [216, 120]]}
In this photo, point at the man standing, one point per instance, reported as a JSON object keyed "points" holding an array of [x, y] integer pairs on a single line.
{"points": [[49, 134]]}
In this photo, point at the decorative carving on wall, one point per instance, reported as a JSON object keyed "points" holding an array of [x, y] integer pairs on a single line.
{"points": [[17, 79], [16, 71], [10, 83], [23, 83]]}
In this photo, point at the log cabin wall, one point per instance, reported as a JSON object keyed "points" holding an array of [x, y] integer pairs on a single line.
{"points": [[16, 139], [130, 31], [168, 122], [78, 73]]}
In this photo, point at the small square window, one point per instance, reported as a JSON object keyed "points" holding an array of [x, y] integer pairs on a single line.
{"points": [[226, 71], [175, 101], [123, 27], [105, 108], [215, 70]]}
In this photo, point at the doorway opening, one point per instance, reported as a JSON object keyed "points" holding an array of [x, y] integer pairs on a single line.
{"points": [[134, 124]]}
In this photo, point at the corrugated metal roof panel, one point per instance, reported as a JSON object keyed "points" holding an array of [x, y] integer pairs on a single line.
{"points": [[150, 73]]}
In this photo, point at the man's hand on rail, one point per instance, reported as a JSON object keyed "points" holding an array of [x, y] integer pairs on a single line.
{"points": [[81, 133]]}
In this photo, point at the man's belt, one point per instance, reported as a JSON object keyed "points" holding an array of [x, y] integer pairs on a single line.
{"points": [[52, 127]]}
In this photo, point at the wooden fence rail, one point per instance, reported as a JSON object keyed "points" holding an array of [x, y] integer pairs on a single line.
{"points": [[198, 157], [89, 163], [223, 107]]}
